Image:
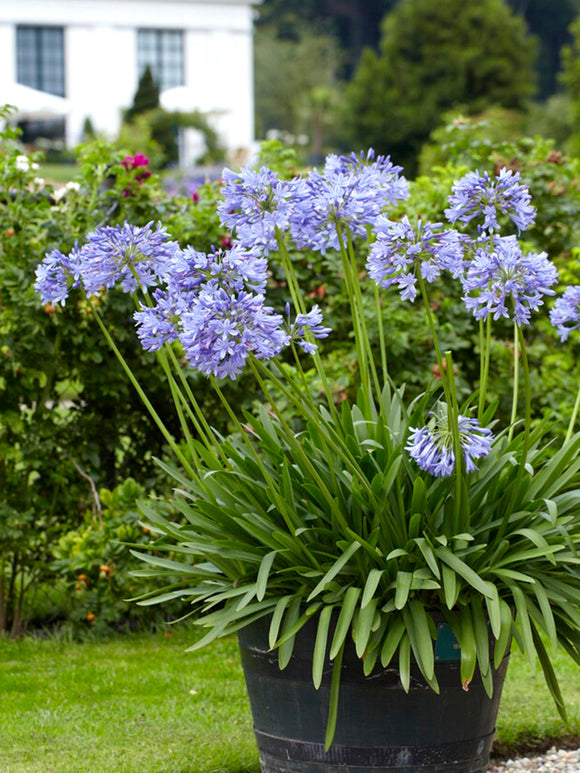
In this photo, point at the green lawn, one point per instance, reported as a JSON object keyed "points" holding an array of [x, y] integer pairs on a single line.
{"points": [[141, 704], [57, 173]]}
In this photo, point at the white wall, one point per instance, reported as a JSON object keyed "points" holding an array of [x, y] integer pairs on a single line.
{"points": [[101, 56]]}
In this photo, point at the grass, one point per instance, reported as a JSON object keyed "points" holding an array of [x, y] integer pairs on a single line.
{"points": [[57, 173], [142, 704]]}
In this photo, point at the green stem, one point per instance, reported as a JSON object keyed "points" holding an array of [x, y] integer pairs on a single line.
{"points": [[461, 517], [485, 375], [573, 419], [384, 363], [146, 402], [298, 302], [359, 302], [516, 383], [528, 396], [433, 329]]}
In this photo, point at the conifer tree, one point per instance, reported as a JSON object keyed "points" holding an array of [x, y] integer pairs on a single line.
{"points": [[146, 97]]}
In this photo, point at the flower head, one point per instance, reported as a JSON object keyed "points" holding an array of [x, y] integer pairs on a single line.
{"points": [[256, 204], [349, 193], [56, 275], [565, 316], [506, 282], [481, 194], [221, 330], [401, 251], [311, 322], [432, 446], [127, 254]]}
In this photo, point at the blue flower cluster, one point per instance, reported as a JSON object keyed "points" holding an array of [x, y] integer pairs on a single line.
{"points": [[481, 194], [432, 446], [501, 276], [565, 316], [401, 251]]}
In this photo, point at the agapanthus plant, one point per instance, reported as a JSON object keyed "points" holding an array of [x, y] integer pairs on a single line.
{"points": [[374, 514]]}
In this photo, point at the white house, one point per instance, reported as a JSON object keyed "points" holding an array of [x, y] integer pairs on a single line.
{"points": [[93, 52]]}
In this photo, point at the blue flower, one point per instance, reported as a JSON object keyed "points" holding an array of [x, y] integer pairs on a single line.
{"points": [[432, 446], [221, 331], [312, 322], [256, 204], [565, 316], [348, 194], [481, 194], [127, 254], [502, 276], [236, 269], [56, 275], [401, 251]]}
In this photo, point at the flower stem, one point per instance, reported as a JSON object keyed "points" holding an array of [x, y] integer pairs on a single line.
{"points": [[486, 357], [433, 329], [146, 402], [528, 395], [573, 418], [516, 383], [384, 363]]}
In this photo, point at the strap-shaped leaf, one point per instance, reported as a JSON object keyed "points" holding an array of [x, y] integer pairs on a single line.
{"points": [[504, 638], [450, 586], [405, 662], [468, 648], [333, 702], [264, 573], [371, 585], [428, 555], [465, 571], [277, 616], [481, 634], [549, 674], [402, 587], [319, 655], [395, 631], [335, 569], [493, 611], [362, 627], [286, 649], [344, 620], [417, 626]]}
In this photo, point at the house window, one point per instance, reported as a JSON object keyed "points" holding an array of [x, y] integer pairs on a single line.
{"points": [[40, 58], [162, 50]]}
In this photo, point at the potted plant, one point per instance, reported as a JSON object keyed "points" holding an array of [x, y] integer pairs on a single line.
{"points": [[376, 556]]}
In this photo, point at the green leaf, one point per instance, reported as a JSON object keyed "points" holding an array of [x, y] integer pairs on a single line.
{"points": [[405, 663], [319, 655], [421, 641], [504, 639], [333, 702], [481, 635], [450, 586], [402, 588], [468, 648], [493, 612], [335, 569], [362, 627], [279, 610], [523, 619], [263, 574], [395, 631], [428, 555], [465, 571], [549, 674], [344, 620], [286, 649], [371, 585]]}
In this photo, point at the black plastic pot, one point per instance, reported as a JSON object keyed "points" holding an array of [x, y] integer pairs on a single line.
{"points": [[380, 728]]}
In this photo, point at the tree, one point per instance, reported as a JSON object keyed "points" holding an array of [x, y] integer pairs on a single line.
{"points": [[146, 97], [570, 78], [289, 89], [435, 56]]}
